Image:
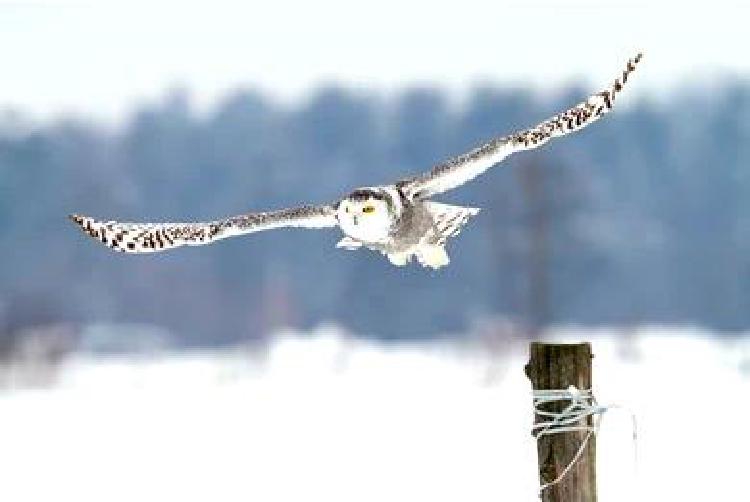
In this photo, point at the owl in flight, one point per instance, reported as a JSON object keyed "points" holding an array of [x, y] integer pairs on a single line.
{"points": [[399, 220]]}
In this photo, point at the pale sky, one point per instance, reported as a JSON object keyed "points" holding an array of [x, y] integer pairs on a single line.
{"points": [[100, 60]]}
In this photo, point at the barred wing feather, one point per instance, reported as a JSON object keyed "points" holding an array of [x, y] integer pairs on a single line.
{"points": [[152, 237], [459, 170]]}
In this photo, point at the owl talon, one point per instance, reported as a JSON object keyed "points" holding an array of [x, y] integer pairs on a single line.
{"points": [[349, 244], [399, 259], [433, 256]]}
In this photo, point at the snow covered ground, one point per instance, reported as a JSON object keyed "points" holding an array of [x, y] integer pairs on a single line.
{"points": [[324, 417]]}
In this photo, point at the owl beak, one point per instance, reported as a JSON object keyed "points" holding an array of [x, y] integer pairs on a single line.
{"points": [[356, 220]]}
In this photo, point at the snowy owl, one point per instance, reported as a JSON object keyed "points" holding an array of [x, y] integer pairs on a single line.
{"points": [[398, 220]]}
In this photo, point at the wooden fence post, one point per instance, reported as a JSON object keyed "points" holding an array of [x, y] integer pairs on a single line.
{"points": [[558, 366]]}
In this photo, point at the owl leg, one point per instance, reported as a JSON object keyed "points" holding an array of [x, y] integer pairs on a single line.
{"points": [[433, 256], [349, 243], [399, 259]]}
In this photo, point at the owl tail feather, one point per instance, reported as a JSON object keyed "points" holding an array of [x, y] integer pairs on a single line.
{"points": [[448, 220]]}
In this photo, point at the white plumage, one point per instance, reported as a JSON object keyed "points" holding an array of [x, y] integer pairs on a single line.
{"points": [[397, 220]]}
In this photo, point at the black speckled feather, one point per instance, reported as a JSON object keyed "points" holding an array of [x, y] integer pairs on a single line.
{"points": [[459, 170], [151, 237]]}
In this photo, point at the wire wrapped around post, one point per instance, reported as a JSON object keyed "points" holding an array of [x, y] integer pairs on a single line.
{"points": [[565, 425], [570, 419]]}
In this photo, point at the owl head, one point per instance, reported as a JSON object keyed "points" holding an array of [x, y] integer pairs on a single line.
{"points": [[367, 215]]}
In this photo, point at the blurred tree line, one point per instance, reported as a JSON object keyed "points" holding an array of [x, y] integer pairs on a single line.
{"points": [[642, 218]]}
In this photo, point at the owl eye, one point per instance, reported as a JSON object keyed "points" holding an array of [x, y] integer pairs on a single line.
{"points": [[368, 209], [346, 209]]}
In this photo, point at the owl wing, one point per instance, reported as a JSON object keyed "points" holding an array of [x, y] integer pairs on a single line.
{"points": [[152, 237], [459, 170]]}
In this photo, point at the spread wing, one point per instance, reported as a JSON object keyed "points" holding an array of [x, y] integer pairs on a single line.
{"points": [[152, 237], [459, 170]]}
